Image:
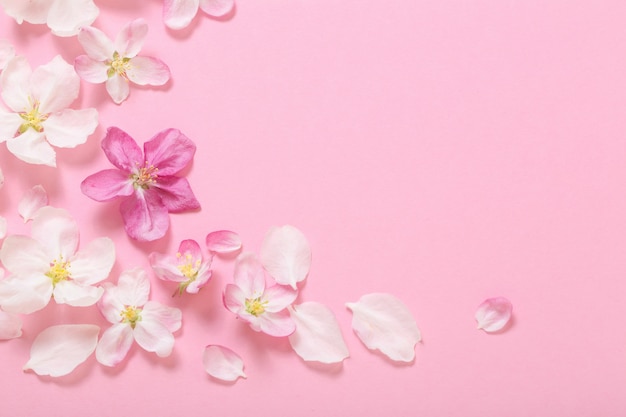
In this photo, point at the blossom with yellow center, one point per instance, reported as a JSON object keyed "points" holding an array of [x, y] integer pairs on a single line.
{"points": [[189, 268], [118, 65], [131, 315], [255, 306], [145, 176], [32, 119], [59, 271]]}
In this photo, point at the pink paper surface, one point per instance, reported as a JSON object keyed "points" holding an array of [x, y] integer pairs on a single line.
{"points": [[442, 151]]}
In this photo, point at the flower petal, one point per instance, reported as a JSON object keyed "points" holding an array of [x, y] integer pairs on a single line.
{"points": [[133, 287], [118, 88], [10, 326], [31, 201], [233, 298], [170, 317], [24, 256], [222, 363], [31, 147], [3, 226], [493, 314], [223, 241], [114, 344], [170, 151], [146, 70], [58, 350], [70, 293], [9, 125], [383, 322], [286, 255], [278, 297], [154, 336], [177, 14], [130, 39], [66, 17], [165, 267], [110, 304], [190, 247], [145, 217], [249, 275], [107, 185], [122, 150], [25, 295], [57, 231], [276, 324], [30, 11], [70, 127], [176, 194], [7, 52], [317, 336], [93, 263], [15, 84], [55, 85], [96, 44], [91, 70], [217, 7]]}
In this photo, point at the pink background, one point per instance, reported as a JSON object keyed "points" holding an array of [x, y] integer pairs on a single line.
{"points": [[441, 151]]}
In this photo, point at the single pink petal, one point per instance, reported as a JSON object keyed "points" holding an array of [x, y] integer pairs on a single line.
{"points": [[57, 231], [176, 194], [31, 201], [223, 241], [286, 255], [114, 344], [15, 84], [96, 44], [145, 217], [70, 293], [55, 85], [277, 324], [122, 150], [170, 317], [133, 287], [154, 336], [190, 247], [9, 125], [93, 262], [111, 304], [66, 17], [222, 363], [58, 350], [118, 88], [70, 128], [107, 185], [216, 7], [278, 297], [10, 326], [91, 70], [31, 147], [383, 322], [24, 256], [249, 275], [170, 151], [233, 298], [7, 52], [130, 39], [148, 71], [25, 295], [165, 267], [177, 14], [493, 314], [318, 335]]}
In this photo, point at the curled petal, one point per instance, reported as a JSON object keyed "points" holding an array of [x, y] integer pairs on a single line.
{"points": [[145, 217], [58, 350], [383, 322], [70, 128], [217, 7], [177, 14], [10, 326], [223, 241], [286, 255], [33, 200], [493, 314], [114, 344], [222, 363], [148, 71]]}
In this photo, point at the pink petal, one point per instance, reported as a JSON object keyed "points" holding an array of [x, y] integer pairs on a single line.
{"points": [[222, 363], [118, 88], [493, 314], [176, 194], [114, 344], [58, 350], [130, 39], [204, 274], [6, 53], [91, 70], [249, 275], [32, 147], [154, 336], [93, 262], [30, 11], [383, 322], [276, 324], [278, 297], [57, 231], [216, 7], [286, 255], [66, 17], [169, 317], [233, 298], [96, 44], [190, 247], [170, 151], [223, 241], [25, 295], [177, 14], [122, 150], [55, 85], [10, 326], [145, 216], [110, 304], [31, 201], [107, 185], [165, 267], [70, 293], [133, 287], [317, 336], [15, 84], [148, 71], [24, 256], [70, 127]]}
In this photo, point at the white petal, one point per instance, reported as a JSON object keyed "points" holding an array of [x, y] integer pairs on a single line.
{"points": [[9, 125], [10, 326], [25, 295], [57, 231], [216, 7], [70, 293], [249, 276], [31, 201], [286, 255], [133, 287], [66, 17], [55, 85], [118, 88], [383, 322], [15, 84], [22, 255], [110, 304], [493, 314], [58, 350], [32, 11], [93, 263], [170, 317], [317, 336], [70, 127], [6, 53], [129, 41], [114, 344], [177, 14], [153, 336], [223, 241], [96, 44], [31, 147], [3, 227], [222, 363]]}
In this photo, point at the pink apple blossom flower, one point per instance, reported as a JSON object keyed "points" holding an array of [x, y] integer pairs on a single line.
{"points": [[48, 265], [264, 308], [63, 17], [39, 115], [145, 180], [117, 63], [188, 268], [149, 323], [177, 14]]}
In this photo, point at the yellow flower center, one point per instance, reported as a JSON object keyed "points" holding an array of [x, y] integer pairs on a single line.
{"points": [[32, 119], [59, 271], [145, 176], [255, 306], [131, 315], [189, 269], [118, 65]]}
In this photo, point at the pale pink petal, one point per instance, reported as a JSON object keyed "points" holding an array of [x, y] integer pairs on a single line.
{"points": [[176, 194], [91, 70], [177, 14], [145, 217], [165, 267], [493, 314], [22, 255], [233, 298], [32, 11], [118, 88], [15, 84], [276, 324], [31, 201], [122, 150], [111, 303], [31, 147], [70, 293], [55, 85], [190, 247], [9, 125], [3, 226], [286, 255], [223, 241], [170, 151], [10, 326], [6, 53], [114, 344], [249, 275], [278, 297], [170, 317], [317, 336], [146, 70], [154, 336], [383, 322], [129, 41], [222, 363], [93, 262], [216, 7], [66, 17], [25, 295], [133, 287], [58, 350], [70, 127], [107, 185], [204, 274], [96, 44], [57, 231]]}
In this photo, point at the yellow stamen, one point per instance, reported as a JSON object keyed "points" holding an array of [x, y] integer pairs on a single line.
{"points": [[59, 271], [131, 315], [255, 306], [32, 119], [118, 65], [145, 176]]}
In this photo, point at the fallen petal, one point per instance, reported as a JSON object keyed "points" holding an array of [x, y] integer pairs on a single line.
{"points": [[222, 363], [33, 200], [383, 322], [223, 241], [286, 255], [493, 314]]}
